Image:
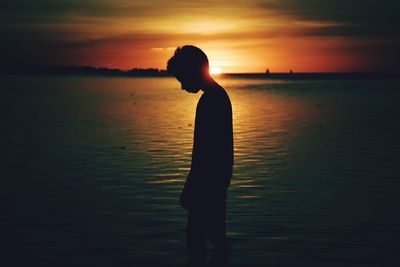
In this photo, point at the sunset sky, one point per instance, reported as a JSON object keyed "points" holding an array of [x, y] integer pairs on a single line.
{"points": [[237, 35]]}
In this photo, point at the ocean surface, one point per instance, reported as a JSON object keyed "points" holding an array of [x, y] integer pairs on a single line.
{"points": [[92, 168]]}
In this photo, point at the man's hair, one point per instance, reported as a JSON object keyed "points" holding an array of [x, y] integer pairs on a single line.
{"points": [[188, 60]]}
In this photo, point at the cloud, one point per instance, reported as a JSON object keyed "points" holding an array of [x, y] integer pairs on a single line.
{"points": [[140, 32], [355, 17], [162, 49]]}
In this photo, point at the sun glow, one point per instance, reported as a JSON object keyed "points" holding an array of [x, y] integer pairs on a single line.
{"points": [[215, 70]]}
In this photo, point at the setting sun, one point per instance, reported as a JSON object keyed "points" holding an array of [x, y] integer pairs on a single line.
{"points": [[215, 70]]}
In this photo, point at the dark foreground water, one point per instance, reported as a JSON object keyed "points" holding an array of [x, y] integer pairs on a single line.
{"points": [[92, 169]]}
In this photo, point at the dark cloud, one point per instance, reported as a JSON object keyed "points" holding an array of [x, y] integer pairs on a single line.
{"points": [[66, 31], [354, 17], [46, 10], [30, 11]]}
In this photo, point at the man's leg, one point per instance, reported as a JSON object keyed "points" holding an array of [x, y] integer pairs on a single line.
{"points": [[196, 238], [217, 234]]}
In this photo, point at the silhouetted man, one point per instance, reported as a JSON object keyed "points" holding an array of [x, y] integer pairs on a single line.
{"points": [[205, 190]]}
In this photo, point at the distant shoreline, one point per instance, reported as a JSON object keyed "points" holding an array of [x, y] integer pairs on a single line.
{"points": [[318, 76], [88, 71]]}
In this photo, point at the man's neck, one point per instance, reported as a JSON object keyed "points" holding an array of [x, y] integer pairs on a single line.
{"points": [[209, 85]]}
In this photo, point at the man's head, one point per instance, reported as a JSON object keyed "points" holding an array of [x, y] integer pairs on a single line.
{"points": [[190, 67]]}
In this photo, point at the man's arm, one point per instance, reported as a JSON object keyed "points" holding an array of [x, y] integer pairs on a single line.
{"points": [[213, 153], [212, 156]]}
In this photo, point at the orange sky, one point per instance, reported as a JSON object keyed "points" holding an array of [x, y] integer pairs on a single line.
{"points": [[238, 36]]}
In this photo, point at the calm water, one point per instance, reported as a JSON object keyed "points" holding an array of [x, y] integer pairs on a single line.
{"points": [[92, 169]]}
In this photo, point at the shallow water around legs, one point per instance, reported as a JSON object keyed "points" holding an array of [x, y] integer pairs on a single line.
{"points": [[93, 168]]}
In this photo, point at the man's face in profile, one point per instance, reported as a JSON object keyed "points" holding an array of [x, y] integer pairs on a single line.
{"points": [[188, 84]]}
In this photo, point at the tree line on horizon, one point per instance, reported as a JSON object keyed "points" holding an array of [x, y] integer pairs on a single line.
{"points": [[155, 72], [84, 70]]}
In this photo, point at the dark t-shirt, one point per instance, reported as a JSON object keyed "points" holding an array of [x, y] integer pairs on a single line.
{"points": [[212, 156]]}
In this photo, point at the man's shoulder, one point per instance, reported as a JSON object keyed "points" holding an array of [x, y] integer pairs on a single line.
{"points": [[223, 98], [217, 102], [219, 94]]}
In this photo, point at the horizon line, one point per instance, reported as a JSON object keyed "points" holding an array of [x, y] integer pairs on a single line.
{"points": [[62, 68]]}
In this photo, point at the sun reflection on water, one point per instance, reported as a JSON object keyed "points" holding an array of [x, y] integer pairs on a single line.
{"points": [[162, 117]]}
